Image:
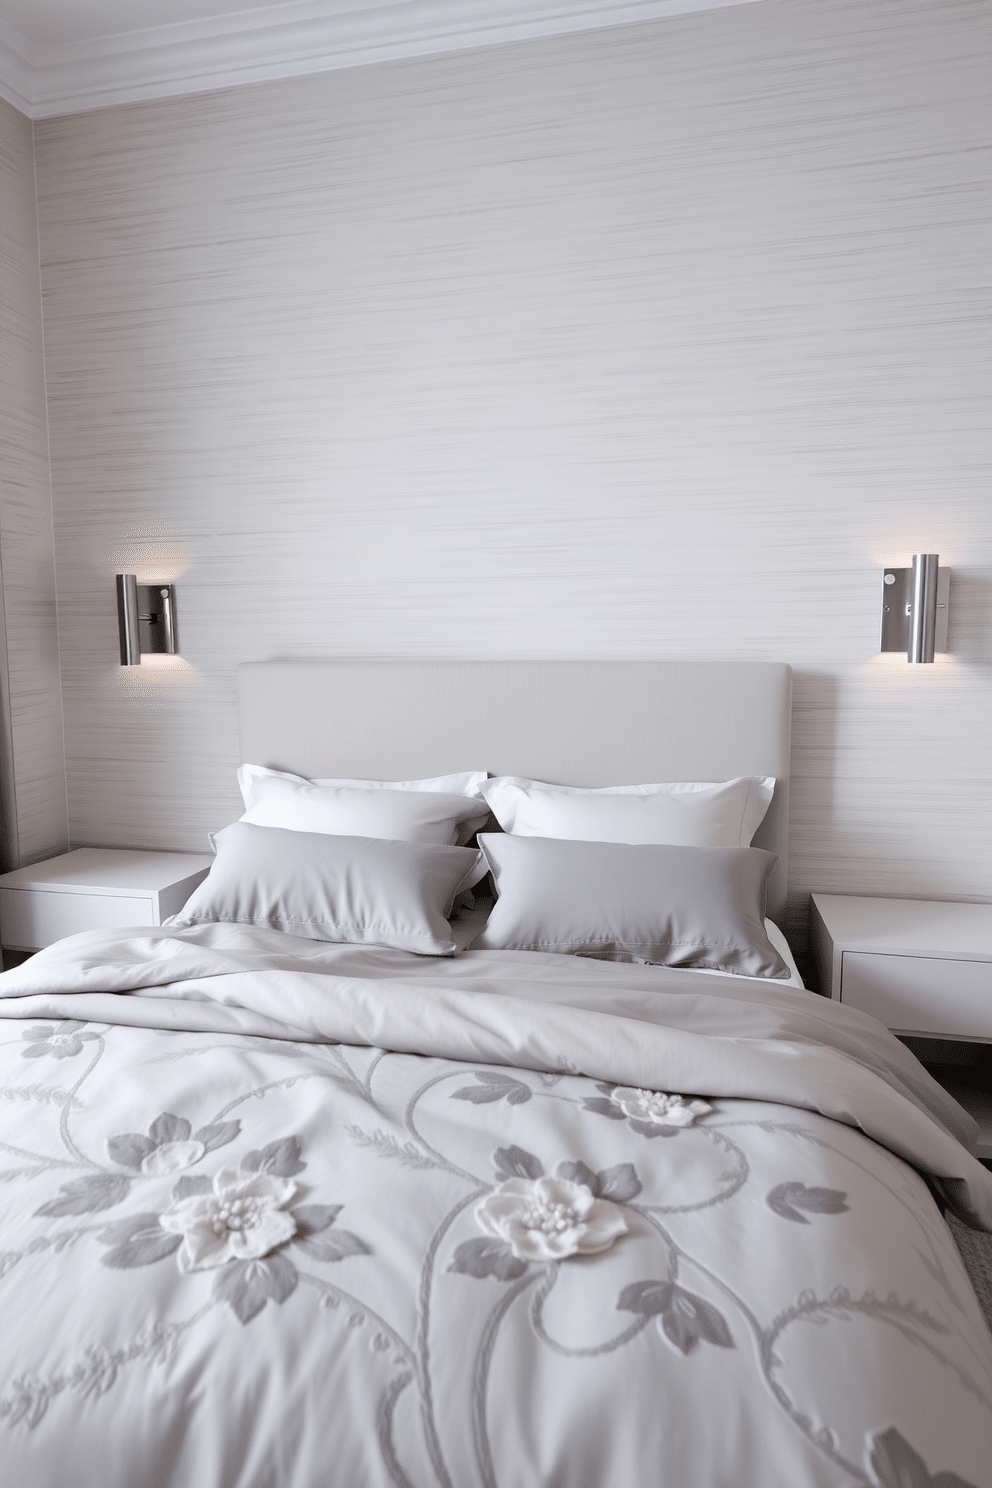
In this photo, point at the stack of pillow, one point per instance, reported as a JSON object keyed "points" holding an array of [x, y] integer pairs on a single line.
{"points": [[663, 874], [369, 862]]}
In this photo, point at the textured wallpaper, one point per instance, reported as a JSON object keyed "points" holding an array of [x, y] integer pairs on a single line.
{"points": [[32, 764], [657, 340]]}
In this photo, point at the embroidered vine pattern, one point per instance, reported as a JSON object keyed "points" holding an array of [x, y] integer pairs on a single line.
{"points": [[240, 1228]]}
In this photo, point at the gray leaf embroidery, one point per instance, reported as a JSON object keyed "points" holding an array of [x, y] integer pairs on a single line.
{"points": [[621, 1183], [312, 1222], [169, 1128], [683, 1318], [332, 1247], [218, 1134], [516, 1162], [311, 1218], [49, 1093], [29, 1396], [603, 1107], [649, 1298], [788, 1198], [281, 1158], [578, 1172], [654, 1128], [494, 1086], [896, 1465], [130, 1150], [690, 1318], [487, 1257], [137, 1241], [87, 1195], [387, 1146], [246, 1286]]}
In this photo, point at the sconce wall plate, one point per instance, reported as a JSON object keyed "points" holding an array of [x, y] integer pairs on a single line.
{"points": [[146, 616], [914, 608]]}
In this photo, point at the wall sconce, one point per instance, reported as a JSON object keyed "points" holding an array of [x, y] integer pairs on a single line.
{"points": [[146, 615], [914, 608]]}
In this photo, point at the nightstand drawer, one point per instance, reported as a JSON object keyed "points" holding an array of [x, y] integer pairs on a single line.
{"points": [[30, 919], [920, 994]]}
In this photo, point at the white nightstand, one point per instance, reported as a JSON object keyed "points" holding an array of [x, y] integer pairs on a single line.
{"points": [[922, 967], [94, 888], [919, 966]]}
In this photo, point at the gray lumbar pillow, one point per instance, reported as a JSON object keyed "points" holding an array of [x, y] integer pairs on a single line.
{"points": [[668, 906], [363, 890]]}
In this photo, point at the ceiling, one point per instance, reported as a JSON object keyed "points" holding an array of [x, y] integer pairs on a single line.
{"points": [[63, 56], [47, 23]]}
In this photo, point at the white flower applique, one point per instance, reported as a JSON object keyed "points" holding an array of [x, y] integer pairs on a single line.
{"points": [[657, 1109], [242, 1219], [171, 1157], [547, 1219]]}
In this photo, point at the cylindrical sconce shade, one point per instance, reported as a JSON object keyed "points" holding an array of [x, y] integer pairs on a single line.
{"points": [[167, 618], [127, 619], [923, 615]]}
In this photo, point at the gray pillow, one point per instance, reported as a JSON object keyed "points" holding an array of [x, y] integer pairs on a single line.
{"points": [[667, 906], [363, 890]]}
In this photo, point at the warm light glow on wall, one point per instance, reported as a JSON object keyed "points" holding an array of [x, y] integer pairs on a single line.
{"points": [[153, 551], [159, 679]]}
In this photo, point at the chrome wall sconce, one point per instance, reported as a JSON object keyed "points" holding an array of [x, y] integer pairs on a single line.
{"points": [[146, 615], [914, 608]]}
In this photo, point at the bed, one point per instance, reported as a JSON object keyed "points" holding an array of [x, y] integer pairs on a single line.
{"points": [[280, 1211]]}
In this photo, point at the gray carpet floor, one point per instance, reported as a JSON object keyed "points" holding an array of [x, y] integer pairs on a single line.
{"points": [[976, 1252]]}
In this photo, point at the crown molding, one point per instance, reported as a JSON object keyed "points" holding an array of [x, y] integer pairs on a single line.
{"points": [[17, 69], [288, 40]]}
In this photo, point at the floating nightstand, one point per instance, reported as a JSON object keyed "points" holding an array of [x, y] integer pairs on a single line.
{"points": [[94, 888]]}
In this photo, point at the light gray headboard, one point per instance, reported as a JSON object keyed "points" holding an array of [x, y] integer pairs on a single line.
{"points": [[571, 722]]}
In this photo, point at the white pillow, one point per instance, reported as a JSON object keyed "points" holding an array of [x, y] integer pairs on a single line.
{"points": [[344, 811], [689, 814], [465, 784]]}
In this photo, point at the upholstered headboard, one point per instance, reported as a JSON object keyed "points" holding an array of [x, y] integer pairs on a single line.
{"points": [[570, 722]]}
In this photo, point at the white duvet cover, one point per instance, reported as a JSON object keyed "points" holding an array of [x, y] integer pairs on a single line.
{"points": [[278, 1214]]}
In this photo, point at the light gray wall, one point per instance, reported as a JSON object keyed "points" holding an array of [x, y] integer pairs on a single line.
{"points": [[32, 762], [651, 341]]}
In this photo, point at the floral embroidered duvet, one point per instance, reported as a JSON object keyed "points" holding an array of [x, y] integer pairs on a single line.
{"points": [[278, 1214]]}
